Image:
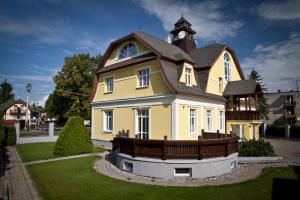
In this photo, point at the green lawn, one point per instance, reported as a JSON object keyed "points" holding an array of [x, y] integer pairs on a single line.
{"points": [[76, 179], [40, 151]]}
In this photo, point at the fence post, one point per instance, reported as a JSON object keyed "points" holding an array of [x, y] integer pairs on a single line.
{"points": [[17, 126], [218, 133], [202, 133], [134, 148], [51, 129], [164, 149], [200, 156]]}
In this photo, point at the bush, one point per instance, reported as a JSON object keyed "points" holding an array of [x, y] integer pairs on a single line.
{"points": [[73, 139], [275, 130], [295, 131], [8, 136], [256, 148]]}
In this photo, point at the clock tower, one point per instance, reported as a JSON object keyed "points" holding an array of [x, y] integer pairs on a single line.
{"points": [[183, 35]]}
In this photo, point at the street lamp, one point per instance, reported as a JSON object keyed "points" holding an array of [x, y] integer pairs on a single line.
{"points": [[28, 87]]}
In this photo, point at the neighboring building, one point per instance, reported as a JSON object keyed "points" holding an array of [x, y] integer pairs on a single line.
{"points": [[15, 110], [153, 88], [284, 105]]}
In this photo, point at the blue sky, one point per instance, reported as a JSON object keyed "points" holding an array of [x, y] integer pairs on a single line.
{"points": [[36, 35]]}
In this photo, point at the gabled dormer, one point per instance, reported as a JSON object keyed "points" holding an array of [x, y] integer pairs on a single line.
{"points": [[187, 75]]}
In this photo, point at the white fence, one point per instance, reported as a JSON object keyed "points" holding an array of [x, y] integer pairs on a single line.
{"points": [[26, 140]]}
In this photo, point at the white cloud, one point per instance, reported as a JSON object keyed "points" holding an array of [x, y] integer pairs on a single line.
{"points": [[43, 100], [280, 10], [27, 77], [206, 17], [278, 63], [51, 31]]}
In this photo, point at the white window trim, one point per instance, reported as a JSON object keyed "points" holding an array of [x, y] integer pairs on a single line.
{"points": [[104, 130], [105, 85], [211, 123], [223, 121], [136, 120], [183, 174], [138, 77], [229, 75], [190, 76], [195, 122]]}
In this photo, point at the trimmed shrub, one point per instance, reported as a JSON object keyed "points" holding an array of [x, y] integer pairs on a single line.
{"points": [[73, 139], [8, 136], [295, 131], [256, 148], [275, 130], [2, 136]]}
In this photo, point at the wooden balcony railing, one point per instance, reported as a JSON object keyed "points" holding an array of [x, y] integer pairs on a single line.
{"points": [[176, 149], [242, 115], [15, 112]]}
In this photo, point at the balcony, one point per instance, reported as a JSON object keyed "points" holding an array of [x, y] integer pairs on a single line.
{"points": [[289, 104], [15, 112], [242, 115]]}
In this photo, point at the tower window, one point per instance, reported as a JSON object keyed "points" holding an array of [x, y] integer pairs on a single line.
{"points": [[227, 67], [128, 50], [188, 76]]}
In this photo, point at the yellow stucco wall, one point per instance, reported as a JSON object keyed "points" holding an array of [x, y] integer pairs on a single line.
{"points": [[217, 71], [182, 77], [160, 122], [126, 83], [184, 121], [248, 128], [114, 56]]}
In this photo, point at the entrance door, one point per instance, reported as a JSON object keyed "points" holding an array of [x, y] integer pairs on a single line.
{"points": [[236, 129], [142, 123]]}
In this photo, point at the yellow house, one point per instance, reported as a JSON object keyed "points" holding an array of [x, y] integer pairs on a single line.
{"points": [[155, 88]]}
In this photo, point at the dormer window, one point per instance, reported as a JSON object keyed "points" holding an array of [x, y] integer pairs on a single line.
{"points": [[188, 76], [128, 50], [227, 66]]}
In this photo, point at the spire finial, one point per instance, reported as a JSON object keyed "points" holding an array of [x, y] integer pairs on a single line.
{"points": [[181, 15]]}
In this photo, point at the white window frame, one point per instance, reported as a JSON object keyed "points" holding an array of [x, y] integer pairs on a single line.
{"points": [[221, 121], [227, 67], [105, 122], [193, 127], [127, 50], [141, 83], [109, 89], [208, 125], [188, 80], [137, 122], [189, 174]]}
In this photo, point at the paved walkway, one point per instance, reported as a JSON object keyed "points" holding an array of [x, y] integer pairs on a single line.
{"points": [[19, 182], [61, 158], [288, 149], [243, 173]]}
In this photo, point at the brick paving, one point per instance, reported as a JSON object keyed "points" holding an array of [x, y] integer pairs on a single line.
{"points": [[17, 179], [242, 173]]}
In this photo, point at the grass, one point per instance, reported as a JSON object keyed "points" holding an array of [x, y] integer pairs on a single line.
{"points": [[40, 151], [76, 179]]}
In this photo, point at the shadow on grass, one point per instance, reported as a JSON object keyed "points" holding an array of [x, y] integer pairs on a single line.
{"points": [[286, 188]]}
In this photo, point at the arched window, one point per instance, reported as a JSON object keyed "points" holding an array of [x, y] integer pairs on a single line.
{"points": [[129, 49], [227, 67]]}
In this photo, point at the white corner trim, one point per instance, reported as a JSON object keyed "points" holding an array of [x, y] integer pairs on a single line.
{"points": [[175, 124]]}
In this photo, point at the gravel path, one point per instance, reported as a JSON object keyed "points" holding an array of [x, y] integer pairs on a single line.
{"points": [[19, 183], [242, 173]]}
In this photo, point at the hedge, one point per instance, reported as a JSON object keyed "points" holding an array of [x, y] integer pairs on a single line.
{"points": [[73, 139], [275, 130], [8, 136], [295, 131], [256, 148]]}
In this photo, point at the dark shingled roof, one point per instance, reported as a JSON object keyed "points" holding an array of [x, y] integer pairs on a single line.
{"points": [[132, 61], [10, 103], [206, 56], [171, 71], [241, 87], [164, 48]]}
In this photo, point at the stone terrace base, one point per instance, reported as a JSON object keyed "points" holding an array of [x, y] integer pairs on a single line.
{"points": [[169, 169]]}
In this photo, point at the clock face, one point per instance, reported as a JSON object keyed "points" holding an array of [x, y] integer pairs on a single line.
{"points": [[181, 34]]}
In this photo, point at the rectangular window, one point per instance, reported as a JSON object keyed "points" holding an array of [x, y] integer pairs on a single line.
{"points": [[109, 82], [128, 166], [220, 84], [142, 120], [208, 121], [143, 76], [188, 76], [183, 172], [193, 120], [222, 121], [108, 121]]}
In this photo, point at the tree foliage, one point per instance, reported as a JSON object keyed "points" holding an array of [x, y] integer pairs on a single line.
{"points": [[263, 107], [6, 93], [73, 87]]}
